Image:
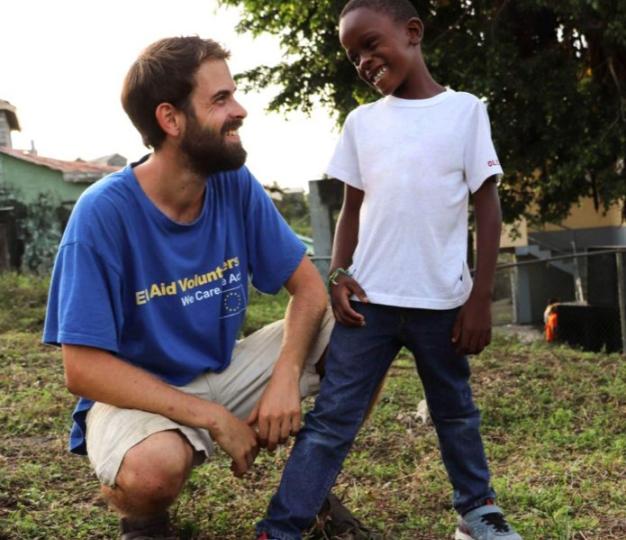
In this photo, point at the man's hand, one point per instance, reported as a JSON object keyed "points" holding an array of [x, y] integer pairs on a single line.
{"points": [[340, 298], [472, 329], [277, 414], [236, 438]]}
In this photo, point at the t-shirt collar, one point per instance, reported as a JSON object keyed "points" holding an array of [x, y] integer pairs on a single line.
{"points": [[428, 102]]}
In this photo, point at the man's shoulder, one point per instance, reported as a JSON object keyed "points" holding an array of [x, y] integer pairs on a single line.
{"points": [[231, 180], [99, 208], [113, 186]]}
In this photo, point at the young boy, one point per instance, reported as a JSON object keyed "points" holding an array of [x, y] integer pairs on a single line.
{"points": [[409, 162]]}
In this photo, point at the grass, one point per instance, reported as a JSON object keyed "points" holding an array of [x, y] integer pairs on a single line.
{"points": [[553, 426]]}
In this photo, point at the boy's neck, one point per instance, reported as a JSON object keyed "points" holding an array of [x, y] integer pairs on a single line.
{"points": [[420, 85]]}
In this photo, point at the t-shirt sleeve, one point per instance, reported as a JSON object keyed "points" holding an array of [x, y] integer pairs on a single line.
{"points": [[84, 301], [480, 158], [344, 164], [274, 251]]}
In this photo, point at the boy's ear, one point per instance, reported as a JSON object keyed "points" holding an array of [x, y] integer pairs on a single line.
{"points": [[415, 30]]}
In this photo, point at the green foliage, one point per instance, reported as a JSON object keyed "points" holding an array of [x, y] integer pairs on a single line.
{"points": [[293, 206], [41, 233], [38, 225], [553, 73], [264, 308]]}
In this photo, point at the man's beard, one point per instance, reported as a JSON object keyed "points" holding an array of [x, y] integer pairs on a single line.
{"points": [[207, 151]]}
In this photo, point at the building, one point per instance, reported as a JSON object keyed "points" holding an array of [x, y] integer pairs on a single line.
{"points": [[26, 177], [31, 175], [584, 230]]}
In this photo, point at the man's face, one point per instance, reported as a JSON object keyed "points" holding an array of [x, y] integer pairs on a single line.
{"points": [[381, 49], [210, 141]]}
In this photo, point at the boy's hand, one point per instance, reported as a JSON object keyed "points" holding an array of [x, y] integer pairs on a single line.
{"points": [[472, 329], [236, 438], [340, 294]]}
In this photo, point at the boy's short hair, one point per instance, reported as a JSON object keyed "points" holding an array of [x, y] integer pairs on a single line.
{"points": [[164, 73], [398, 10]]}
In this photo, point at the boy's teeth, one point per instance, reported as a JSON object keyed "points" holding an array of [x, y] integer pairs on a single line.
{"points": [[379, 75]]}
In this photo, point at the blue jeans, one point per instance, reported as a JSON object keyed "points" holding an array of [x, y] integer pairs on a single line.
{"points": [[357, 361]]}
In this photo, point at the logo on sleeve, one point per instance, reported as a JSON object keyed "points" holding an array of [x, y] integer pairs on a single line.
{"points": [[493, 163]]}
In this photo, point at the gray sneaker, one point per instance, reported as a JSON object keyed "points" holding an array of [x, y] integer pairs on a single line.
{"points": [[485, 523]]}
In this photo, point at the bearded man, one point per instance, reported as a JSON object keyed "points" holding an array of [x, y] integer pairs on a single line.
{"points": [[150, 288]]}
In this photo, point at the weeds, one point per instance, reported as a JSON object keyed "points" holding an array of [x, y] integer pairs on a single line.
{"points": [[553, 424]]}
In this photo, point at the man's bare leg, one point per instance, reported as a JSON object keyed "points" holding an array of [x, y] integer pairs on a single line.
{"points": [[150, 479]]}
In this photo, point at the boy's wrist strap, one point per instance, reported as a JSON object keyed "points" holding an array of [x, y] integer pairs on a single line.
{"points": [[332, 278]]}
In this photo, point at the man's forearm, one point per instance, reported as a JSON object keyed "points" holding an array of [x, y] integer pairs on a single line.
{"points": [[303, 316], [98, 375]]}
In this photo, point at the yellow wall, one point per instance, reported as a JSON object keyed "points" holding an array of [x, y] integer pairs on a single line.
{"points": [[582, 216], [585, 216]]}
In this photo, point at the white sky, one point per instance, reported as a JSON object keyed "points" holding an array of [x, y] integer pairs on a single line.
{"points": [[62, 63]]}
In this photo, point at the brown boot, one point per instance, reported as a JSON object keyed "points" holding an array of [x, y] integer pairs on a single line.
{"points": [[336, 522], [151, 528]]}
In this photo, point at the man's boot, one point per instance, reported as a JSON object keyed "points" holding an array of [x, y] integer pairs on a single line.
{"points": [[150, 528], [336, 522]]}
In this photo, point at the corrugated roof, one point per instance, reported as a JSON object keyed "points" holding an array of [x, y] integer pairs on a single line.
{"points": [[73, 171]]}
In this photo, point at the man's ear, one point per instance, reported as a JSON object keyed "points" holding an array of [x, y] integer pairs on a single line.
{"points": [[170, 119], [415, 31]]}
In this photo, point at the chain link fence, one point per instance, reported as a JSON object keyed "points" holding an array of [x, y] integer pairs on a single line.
{"points": [[576, 298]]}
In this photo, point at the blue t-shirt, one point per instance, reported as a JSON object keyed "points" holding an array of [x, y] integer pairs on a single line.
{"points": [[167, 297]]}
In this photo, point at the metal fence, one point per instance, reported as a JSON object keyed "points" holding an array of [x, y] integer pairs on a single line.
{"points": [[586, 290]]}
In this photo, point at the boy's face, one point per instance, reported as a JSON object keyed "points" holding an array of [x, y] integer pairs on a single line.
{"points": [[384, 51]]}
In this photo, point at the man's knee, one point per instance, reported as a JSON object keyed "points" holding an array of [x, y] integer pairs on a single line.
{"points": [[152, 473]]}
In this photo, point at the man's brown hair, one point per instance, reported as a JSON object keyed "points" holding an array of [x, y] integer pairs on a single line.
{"points": [[164, 73]]}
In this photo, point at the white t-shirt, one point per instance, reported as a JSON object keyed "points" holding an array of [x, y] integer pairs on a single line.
{"points": [[417, 162]]}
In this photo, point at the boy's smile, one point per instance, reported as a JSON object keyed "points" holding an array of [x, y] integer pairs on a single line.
{"points": [[383, 50]]}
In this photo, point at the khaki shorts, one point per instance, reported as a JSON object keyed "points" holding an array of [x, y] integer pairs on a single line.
{"points": [[112, 431]]}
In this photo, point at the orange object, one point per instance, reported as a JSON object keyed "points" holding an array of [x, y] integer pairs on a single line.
{"points": [[551, 326]]}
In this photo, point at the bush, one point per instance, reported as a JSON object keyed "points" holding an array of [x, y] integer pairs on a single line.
{"points": [[41, 233]]}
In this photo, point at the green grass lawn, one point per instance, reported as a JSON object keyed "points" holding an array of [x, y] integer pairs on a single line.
{"points": [[554, 424]]}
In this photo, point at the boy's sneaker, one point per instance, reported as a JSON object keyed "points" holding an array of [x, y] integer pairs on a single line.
{"points": [[485, 523]]}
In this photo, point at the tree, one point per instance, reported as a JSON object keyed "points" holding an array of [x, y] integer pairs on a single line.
{"points": [[553, 74]]}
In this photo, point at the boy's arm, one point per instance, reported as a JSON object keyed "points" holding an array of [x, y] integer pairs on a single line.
{"points": [[278, 413], [344, 244], [98, 375], [472, 330]]}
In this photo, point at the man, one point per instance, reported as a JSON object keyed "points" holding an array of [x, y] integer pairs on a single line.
{"points": [[149, 292]]}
